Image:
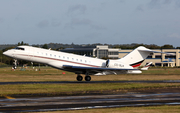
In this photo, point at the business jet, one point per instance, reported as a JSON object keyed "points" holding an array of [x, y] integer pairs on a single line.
{"points": [[82, 64]]}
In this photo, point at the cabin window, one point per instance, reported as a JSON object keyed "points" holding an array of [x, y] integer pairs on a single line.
{"points": [[72, 58], [54, 55], [46, 54], [67, 57], [85, 60], [50, 54], [80, 60], [59, 56], [63, 57], [19, 48], [76, 59]]}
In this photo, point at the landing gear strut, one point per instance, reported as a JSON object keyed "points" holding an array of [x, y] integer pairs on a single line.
{"points": [[15, 64], [79, 78]]}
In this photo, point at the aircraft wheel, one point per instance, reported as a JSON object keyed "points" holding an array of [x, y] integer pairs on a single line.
{"points": [[79, 78], [88, 78]]}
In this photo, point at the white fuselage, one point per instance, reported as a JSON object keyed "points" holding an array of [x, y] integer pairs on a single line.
{"points": [[53, 58]]}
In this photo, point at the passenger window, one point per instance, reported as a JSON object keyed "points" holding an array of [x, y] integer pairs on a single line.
{"points": [[19, 48]]}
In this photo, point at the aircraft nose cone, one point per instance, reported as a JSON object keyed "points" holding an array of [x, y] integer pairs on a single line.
{"points": [[6, 53]]}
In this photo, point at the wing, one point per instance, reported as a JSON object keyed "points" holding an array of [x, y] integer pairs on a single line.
{"points": [[92, 70]]}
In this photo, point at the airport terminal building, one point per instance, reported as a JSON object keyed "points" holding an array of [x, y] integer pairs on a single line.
{"points": [[158, 59], [99, 52]]}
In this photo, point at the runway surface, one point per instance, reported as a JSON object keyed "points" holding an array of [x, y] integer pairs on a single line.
{"points": [[91, 82], [87, 102], [30, 104]]}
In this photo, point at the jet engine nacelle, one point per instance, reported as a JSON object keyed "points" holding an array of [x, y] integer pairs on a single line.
{"points": [[114, 64]]}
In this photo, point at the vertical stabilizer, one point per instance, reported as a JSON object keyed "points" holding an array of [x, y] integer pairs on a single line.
{"points": [[136, 57]]}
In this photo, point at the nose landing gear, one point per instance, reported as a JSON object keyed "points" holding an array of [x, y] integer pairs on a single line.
{"points": [[15, 64]]}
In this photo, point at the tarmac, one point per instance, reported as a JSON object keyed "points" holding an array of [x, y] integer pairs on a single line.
{"points": [[156, 97], [91, 82], [62, 103]]}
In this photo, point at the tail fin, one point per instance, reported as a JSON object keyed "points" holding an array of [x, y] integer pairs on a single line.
{"points": [[137, 56]]}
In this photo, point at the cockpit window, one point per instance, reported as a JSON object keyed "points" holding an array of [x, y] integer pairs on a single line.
{"points": [[19, 48]]}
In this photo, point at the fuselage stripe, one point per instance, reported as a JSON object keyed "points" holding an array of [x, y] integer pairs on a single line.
{"points": [[58, 60], [136, 64]]}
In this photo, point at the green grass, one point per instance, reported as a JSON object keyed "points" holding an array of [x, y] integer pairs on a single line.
{"points": [[76, 89], [164, 71], [51, 74]]}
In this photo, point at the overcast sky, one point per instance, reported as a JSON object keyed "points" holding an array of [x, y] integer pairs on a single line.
{"points": [[90, 21]]}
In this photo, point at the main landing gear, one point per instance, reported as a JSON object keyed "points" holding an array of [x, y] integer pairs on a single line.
{"points": [[79, 78]]}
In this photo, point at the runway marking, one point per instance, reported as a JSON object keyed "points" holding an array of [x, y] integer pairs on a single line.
{"points": [[8, 97]]}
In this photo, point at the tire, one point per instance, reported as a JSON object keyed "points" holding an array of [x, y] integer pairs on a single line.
{"points": [[79, 78], [88, 78]]}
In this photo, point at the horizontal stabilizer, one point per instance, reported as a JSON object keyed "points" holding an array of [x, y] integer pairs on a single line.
{"points": [[146, 66], [151, 51]]}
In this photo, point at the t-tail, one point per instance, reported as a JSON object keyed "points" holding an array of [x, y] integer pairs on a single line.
{"points": [[137, 56]]}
